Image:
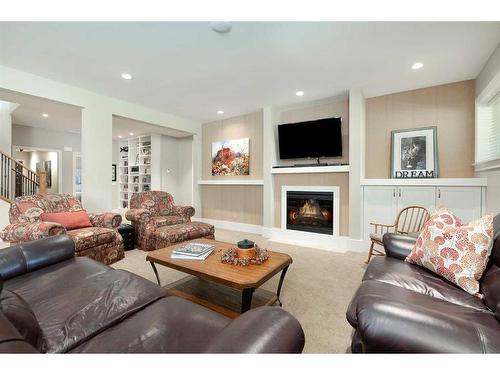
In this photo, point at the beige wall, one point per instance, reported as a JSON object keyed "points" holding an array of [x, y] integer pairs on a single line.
{"points": [[242, 204], [338, 108], [245, 126], [315, 179], [450, 107]]}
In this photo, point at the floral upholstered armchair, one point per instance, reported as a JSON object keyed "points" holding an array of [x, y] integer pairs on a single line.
{"points": [[101, 241], [152, 210]]}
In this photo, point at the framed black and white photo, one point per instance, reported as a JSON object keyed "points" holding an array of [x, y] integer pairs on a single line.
{"points": [[414, 153], [113, 172]]}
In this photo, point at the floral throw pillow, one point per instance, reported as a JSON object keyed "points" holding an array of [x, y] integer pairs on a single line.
{"points": [[457, 252]]}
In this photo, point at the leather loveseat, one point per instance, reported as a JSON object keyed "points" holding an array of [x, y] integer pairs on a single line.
{"points": [[54, 302], [403, 308]]}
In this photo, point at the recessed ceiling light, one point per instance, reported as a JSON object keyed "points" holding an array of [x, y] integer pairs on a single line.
{"points": [[119, 136], [417, 65], [221, 27], [45, 115], [299, 93], [131, 133], [220, 112], [127, 76]]}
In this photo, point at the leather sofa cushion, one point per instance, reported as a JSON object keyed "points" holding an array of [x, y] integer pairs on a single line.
{"points": [[170, 325], [417, 279], [69, 220], [11, 341], [18, 312], [490, 284], [392, 319], [86, 238]]}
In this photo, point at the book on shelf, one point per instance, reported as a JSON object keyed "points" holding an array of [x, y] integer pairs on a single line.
{"points": [[198, 251]]}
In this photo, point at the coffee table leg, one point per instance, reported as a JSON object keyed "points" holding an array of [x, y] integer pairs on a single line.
{"points": [[246, 299], [156, 273], [280, 284]]}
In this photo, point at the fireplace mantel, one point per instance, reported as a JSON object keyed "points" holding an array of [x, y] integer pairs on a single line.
{"points": [[336, 209]]}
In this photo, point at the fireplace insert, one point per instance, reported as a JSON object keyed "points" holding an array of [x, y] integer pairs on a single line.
{"points": [[310, 211]]}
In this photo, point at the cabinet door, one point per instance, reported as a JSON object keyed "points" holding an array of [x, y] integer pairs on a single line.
{"points": [[416, 196], [463, 201], [379, 206]]}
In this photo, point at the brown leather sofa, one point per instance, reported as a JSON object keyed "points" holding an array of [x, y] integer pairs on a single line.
{"points": [[403, 308], [54, 302]]}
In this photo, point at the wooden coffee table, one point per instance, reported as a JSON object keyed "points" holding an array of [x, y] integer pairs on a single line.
{"points": [[228, 289]]}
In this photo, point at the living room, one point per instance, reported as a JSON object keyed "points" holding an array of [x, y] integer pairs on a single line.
{"points": [[250, 187]]}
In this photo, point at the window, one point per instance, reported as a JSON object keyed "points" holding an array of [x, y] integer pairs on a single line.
{"points": [[488, 131]]}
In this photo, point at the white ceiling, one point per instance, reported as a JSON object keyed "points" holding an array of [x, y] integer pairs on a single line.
{"points": [[187, 69], [124, 126]]}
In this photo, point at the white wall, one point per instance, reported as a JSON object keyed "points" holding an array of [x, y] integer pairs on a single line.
{"points": [[488, 85], [185, 171]]}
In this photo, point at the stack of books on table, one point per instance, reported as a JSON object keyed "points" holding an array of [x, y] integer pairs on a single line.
{"points": [[195, 251]]}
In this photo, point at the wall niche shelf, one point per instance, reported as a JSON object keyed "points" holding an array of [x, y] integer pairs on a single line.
{"points": [[319, 169], [230, 182]]}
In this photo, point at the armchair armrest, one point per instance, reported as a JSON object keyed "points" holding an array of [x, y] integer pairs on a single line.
{"points": [[185, 212], [137, 214], [384, 228], [23, 232], [109, 220], [398, 246], [30, 256], [262, 330]]}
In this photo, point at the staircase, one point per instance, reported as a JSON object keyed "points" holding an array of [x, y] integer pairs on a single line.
{"points": [[17, 180]]}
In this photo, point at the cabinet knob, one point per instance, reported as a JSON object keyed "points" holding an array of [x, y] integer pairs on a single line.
{"points": [[399, 193], [439, 193], [394, 193]]}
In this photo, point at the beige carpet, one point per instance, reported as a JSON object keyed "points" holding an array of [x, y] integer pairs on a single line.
{"points": [[317, 289]]}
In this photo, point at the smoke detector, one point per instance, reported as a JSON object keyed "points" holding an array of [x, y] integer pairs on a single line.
{"points": [[221, 27]]}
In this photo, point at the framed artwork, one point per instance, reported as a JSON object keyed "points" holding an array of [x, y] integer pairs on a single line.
{"points": [[45, 166], [414, 153], [231, 157], [113, 172]]}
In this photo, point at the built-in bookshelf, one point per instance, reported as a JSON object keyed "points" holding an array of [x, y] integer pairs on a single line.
{"points": [[134, 167]]}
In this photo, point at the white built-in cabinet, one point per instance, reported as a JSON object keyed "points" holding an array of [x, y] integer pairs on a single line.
{"points": [[383, 199]]}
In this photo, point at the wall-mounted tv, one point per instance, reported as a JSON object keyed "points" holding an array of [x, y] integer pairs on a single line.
{"points": [[311, 139]]}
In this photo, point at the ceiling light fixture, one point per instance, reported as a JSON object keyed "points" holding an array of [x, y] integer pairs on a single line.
{"points": [[220, 112], [299, 93], [221, 27], [45, 115], [119, 136], [127, 76], [417, 65], [131, 133]]}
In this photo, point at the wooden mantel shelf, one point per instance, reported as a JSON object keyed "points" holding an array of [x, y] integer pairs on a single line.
{"points": [[319, 169]]}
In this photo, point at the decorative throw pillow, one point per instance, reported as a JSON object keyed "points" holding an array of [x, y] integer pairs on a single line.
{"points": [[69, 220], [457, 252]]}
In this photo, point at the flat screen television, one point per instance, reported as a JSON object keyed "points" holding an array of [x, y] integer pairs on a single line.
{"points": [[311, 139]]}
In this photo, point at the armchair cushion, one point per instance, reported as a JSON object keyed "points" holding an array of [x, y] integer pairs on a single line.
{"points": [[161, 221], [69, 220], [24, 232], [106, 220], [86, 238], [185, 212]]}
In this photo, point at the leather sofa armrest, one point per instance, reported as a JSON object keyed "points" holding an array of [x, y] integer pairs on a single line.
{"points": [[139, 215], [398, 246], [23, 232], [261, 330], [30, 256], [185, 212], [109, 220]]}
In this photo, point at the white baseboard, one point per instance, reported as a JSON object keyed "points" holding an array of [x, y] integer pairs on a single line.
{"points": [[313, 240]]}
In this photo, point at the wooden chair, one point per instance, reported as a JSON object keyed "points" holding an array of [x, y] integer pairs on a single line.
{"points": [[410, 220]]}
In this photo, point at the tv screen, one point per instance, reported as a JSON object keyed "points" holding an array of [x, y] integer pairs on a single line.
{"points": [[311, 139]]}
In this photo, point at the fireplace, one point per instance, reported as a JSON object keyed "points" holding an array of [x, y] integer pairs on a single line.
{"points": [[310, 211]]}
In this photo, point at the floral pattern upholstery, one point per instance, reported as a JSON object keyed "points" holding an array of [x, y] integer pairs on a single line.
{"points": [[101, 242], [169, 235], [154, 213]]}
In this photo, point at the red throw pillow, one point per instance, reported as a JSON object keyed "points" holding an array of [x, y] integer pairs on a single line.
{"points": [[69, 220], [457, 252]]}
